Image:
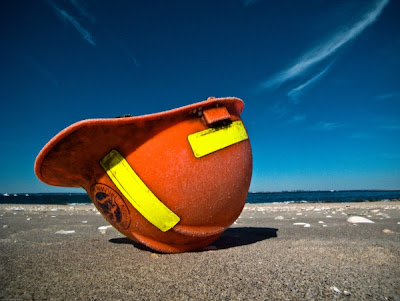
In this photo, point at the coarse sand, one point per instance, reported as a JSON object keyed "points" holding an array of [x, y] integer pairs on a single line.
{"points": [[341, 251]]}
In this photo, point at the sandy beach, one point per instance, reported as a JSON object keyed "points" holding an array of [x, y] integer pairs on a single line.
{"points": [[272, 252]]}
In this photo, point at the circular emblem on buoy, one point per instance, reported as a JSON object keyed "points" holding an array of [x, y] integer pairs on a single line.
{"points": [[111, 205]]}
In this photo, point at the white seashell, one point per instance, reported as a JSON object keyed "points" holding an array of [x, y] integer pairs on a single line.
{"points": [[65, 232], [104, 227], [359, 220]]}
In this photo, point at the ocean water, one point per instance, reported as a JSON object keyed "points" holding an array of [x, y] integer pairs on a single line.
{"points": [[254, 198], [324, 196]]}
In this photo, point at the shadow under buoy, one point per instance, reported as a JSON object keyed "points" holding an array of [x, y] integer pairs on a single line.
{"points": [[232, 237]]}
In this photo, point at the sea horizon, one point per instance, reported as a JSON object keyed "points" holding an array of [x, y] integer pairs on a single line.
{"points": [[253, 192], [295, 196]]}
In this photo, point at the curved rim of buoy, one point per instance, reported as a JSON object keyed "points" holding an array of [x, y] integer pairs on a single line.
{"points": [[237, 102], [174, 248]]}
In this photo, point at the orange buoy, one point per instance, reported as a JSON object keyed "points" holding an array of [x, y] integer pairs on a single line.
{"points": [[173, 181]]}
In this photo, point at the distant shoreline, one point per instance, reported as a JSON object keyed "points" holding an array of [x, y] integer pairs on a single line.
{"points": [[344, 196], [250, 192], [333, 190]]}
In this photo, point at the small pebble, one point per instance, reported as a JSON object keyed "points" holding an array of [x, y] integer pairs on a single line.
{"points": [[335, 289]]}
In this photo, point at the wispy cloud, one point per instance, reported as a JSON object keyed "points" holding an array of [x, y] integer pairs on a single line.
{"points": [[327, 126], [280, 110], [40, 68], [298, 91], [82, 31], [82, 10], [124, 48], [250, 2], [296, 119], [388, 95], [135, 61], [389, 156], [328, 48], [360, 136], [391, 127], [386, 123], [46, 73]]}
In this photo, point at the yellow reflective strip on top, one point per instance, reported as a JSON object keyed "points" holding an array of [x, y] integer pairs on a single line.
{"points": [[137, 193], [213, 139]]}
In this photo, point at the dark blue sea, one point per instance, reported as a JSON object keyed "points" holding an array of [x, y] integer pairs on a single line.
{"points": [[264, 197]]}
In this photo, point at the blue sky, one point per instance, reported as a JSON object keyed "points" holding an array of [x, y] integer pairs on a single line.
{"points": [[320, 80]]}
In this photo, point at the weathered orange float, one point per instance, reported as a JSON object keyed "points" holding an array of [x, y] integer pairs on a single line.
{"points": [[173, 181]]}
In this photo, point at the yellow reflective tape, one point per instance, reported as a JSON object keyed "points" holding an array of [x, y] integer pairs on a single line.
{"points": [[213, 139], [137, 193]]}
